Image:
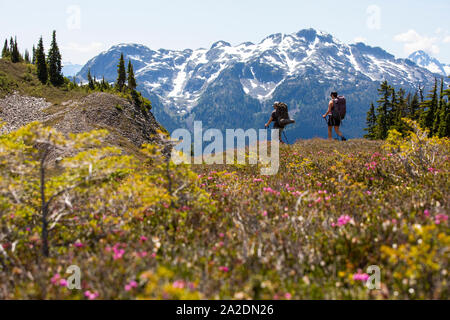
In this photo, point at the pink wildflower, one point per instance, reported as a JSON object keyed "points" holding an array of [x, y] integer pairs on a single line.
{"points": [[179, 284], [91, 295], [361, 277], [55, 279], [440, 218], [78, 245], [224, 269], [133, 284], [343, 220]]}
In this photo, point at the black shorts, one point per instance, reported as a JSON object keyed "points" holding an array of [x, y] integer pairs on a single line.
{"points": [[334, 121]]}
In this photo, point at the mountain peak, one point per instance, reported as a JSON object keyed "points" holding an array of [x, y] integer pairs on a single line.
{"points": [[376, 51], [220, 44], [423, 59]]}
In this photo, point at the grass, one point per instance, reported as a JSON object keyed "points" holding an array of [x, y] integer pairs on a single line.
{"points": [[22, 78]]}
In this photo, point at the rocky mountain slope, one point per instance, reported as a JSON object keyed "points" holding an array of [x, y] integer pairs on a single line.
{"points": [[73, 111], [234, 86], [424, 60]]}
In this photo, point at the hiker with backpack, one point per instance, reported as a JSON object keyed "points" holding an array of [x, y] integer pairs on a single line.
{"points": [[280, 118], [337, 109]]}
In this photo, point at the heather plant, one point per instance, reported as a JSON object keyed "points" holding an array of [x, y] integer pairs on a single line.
{"points": [[140, 227]]}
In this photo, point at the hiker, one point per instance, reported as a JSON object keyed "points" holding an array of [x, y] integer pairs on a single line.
{"points": [[275, 118], [337, 109]]}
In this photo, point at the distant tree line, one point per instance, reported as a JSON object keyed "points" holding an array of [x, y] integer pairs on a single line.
{"points": [[48, 68], [125, 84], [431, 112]]}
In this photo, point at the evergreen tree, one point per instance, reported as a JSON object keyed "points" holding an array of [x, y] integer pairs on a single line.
{"points": [[15, 54], [429, 108], [33, 61], [392, 110], [91, 82], [384, 105], [131, 79], [11, 45], [121, 74], [103, 84], [444, 125], [54, 63], [5, 52], [441, 104], [371, 123], [401, 110], [414, 107], [41, 64], [421, 94], [27, 56]]}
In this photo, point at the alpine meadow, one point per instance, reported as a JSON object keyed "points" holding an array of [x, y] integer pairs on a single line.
{"points": [[93, 205]]}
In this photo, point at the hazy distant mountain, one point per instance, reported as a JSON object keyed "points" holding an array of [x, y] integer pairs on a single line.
{"points": [[424, 60], [70, 70], [234, 86]]}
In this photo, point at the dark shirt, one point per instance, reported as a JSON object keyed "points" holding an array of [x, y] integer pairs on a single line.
{"points": [[275, 119]]}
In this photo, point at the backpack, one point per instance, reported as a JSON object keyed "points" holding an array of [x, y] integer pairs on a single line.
{"points": [[340, 107], [283, 115]]}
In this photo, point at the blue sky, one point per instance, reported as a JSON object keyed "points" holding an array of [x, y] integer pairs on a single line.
{"points": [[85, 28]]}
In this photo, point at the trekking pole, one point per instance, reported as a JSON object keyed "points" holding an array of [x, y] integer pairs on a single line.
{"points": [[285, 136]]}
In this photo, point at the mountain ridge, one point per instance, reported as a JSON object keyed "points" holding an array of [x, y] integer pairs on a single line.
{"points": [[177, 81], [424, 60]]}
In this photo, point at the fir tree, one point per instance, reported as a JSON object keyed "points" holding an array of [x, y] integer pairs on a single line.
{"points": [[11, 45], [401, 110], [27, 56], [441, 104], [91, 82], [429, 108], [54, 63], [384, 105], [121, 74], [41, 64], [131, 79], [15, 54], [414, 107], [103, 84], [392, 110], [5, 52], [33, 61], [421, 94], [444, 125], [371, 123]]}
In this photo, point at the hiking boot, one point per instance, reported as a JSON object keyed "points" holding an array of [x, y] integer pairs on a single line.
{"points": [[343, 138]]}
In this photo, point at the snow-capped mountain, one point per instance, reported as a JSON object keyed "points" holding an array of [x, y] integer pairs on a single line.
{"points": [[69, 69], [243, 80], [426, 61]]}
